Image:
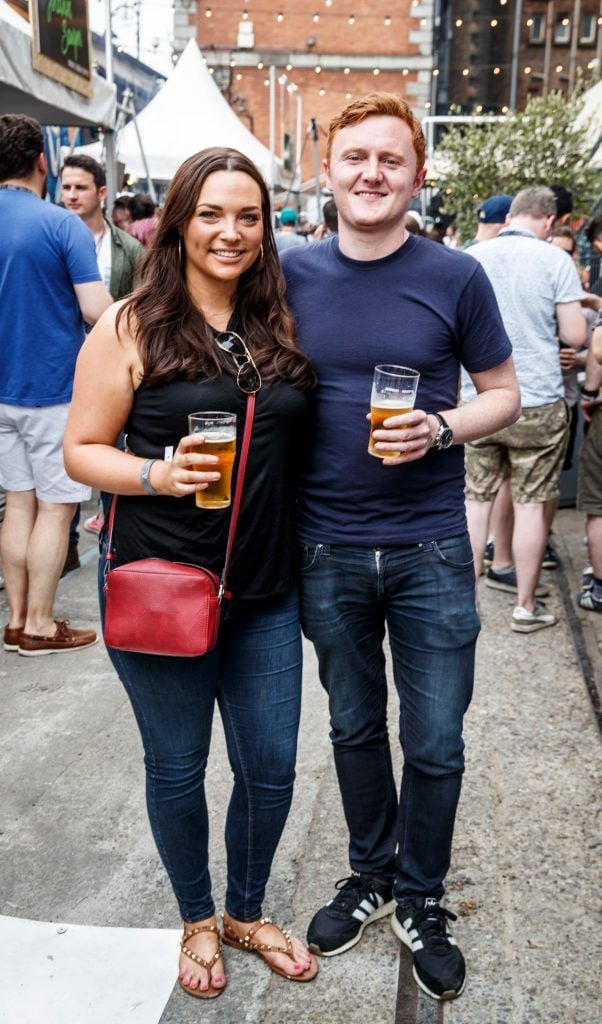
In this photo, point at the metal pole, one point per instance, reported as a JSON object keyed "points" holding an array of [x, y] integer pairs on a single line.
{"points": [[109, 134], [149, 180], [518, 13], [314, 136], [299, 139], [547, 57], [272, 81], [575, 31]]}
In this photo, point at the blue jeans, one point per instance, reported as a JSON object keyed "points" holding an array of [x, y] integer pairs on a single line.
{"points": [[255, 675], [424, 595]]}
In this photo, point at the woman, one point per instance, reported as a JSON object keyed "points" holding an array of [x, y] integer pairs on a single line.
{"points": [[149, 363]]}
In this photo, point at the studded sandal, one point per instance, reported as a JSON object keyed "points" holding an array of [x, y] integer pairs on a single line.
{"points": [[211, 992], [248, 943]]}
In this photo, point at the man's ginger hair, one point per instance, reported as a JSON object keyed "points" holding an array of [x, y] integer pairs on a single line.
{"points": [[379, 104]]}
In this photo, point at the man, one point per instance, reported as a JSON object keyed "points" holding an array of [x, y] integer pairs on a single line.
{"points": [[492, 217], [286, 237], [539, 292], [384, 542], [589, 493], [121, 215], [84, 190], [49, 284]]}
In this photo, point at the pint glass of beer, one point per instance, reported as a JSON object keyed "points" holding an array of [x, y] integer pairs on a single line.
{"points": [[393, 393], [218, 430]]}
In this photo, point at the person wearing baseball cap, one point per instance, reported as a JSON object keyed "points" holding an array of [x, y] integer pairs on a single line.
{"points": [[492, 217]]}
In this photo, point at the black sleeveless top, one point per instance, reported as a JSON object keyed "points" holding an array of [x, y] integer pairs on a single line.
{"points": [[175, 529]]}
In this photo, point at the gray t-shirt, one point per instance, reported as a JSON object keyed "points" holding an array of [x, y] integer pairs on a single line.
{"points": [[288, 241], [529, 278]]}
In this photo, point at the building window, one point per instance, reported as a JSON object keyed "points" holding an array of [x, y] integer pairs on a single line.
{"points": [[587, 36], [537, 28], [562, 30]]}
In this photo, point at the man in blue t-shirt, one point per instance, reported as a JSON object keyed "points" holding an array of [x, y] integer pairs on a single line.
{"points": [[49, 284], [384, 541]]}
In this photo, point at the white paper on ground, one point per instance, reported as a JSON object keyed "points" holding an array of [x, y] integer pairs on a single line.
{"points": [[73, 974]]}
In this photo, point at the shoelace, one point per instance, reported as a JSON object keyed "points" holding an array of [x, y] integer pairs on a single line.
{"points": [[347, 897], [430, 923]]}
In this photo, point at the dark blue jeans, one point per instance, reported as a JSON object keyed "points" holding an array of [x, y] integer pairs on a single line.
{"points": [[424, 596], [255, 675]]}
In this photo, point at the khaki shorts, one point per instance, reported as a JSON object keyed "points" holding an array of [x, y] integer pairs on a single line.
{"points": [[531, 452], [589, 487], [31, 453]]}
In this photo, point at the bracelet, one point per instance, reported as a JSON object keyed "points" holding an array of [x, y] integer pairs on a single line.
{"points": [[589, 394], [145, 476]]}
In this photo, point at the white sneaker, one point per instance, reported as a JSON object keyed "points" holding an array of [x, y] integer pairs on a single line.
{"points": [[524, 621]]}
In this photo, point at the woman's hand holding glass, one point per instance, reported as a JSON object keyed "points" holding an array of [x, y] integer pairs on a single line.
{"points": [[187, 473]]}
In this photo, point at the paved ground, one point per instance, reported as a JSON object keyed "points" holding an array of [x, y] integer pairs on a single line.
{"points": [[75, 845]]}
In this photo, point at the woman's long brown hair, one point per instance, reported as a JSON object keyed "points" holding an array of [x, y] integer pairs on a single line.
{"points": [[173, 337]]}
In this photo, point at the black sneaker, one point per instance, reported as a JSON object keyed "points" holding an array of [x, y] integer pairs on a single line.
{"points": [[439, 967], [361, 899], [507, 582], [550, 558], [488, 556]]}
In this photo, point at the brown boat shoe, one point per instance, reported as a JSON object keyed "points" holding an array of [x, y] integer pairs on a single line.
{"points": [[12, 637], [65, 639]]}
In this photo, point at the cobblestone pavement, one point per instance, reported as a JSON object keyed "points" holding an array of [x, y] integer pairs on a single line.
{"points": [[75, 845]]}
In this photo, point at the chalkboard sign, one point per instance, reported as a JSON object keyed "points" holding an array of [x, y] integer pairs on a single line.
{"points": [[60, 42]]}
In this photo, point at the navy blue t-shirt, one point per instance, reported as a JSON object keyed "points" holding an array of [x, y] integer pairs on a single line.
{"points": [[423, 306]]}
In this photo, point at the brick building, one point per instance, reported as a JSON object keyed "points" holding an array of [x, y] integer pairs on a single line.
{"points": [[325, 52], [484, 61]]}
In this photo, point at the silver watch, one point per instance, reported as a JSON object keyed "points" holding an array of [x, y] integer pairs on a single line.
{"points": [[145, 477], [444, 438]]}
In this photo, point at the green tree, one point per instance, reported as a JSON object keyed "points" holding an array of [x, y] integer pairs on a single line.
{"points": [[537, 146]]}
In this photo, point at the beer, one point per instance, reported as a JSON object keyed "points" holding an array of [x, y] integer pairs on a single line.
{"points": [[220, 442], [393, 394], [378, 414]]}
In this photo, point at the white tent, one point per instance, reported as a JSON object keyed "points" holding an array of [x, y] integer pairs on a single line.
{"points": [[25, 91], [188, 113]]}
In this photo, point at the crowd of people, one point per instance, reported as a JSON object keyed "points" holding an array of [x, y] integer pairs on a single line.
{"points": [[116, 330]]}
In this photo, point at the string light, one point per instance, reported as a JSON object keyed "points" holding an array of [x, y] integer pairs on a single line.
{"points": [[322, 92], [289, 67], [494, 22], [496, 71], [211, 70], [376, 71], [317, 69], [316, 17], [565, 21], [266, 81], [260, 65], [529, 22], [528, 69], [328, 3], [232, 63], [559, 68], [280, 16], [479, 108], [348, 95], [435, 72], [387, 21], [427, 105], [351, 19], [245, 15], [405, 71], [504, 110], [465, 72], [458, 22], [208, 12]]}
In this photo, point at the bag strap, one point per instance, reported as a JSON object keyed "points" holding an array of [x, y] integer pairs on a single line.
{"points": [[242, 466]]}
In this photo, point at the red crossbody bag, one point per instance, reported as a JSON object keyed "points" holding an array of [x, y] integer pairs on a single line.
{"points": [[153, 606]]}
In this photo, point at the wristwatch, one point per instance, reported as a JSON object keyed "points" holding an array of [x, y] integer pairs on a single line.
{"points": [[444, 438]]}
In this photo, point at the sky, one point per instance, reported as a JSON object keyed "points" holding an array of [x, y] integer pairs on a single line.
{"points": [[156, 28]]}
